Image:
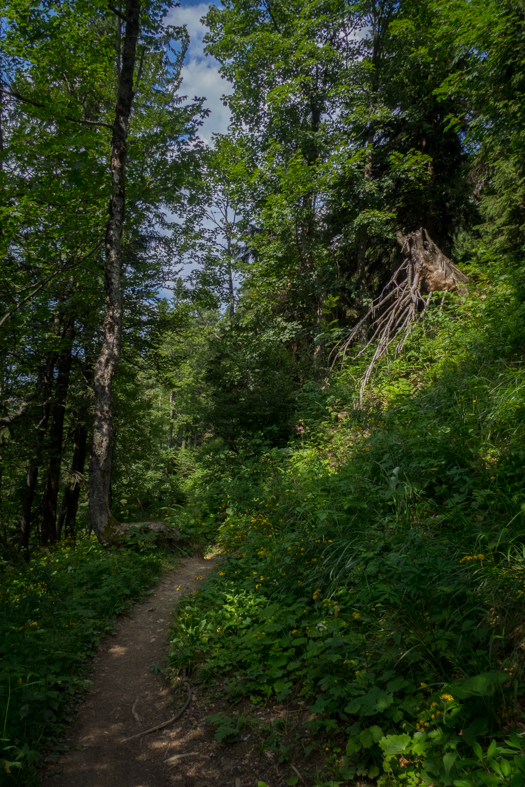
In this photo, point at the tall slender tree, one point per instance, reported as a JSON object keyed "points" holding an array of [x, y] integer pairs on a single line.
{"points": [[100, 468], [71, 72]]}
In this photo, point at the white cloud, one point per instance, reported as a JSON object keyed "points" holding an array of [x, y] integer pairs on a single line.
{"points": [[191, 16], [200, 74], [200, 77]]}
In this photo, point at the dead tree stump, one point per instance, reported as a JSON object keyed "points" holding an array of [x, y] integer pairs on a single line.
{"points": [[427, 267], [404, 300]]}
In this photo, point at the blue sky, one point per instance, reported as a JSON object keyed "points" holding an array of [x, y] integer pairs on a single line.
{"points": [[201, 73], [200, 77]]}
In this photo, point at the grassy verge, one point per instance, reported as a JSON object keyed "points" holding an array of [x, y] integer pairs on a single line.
{"points": [[52, 614], [376, 565]]}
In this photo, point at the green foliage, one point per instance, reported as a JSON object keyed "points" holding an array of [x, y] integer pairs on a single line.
{"points": [[228, 729], [250, 374], [487, 83], [53, 611], [375, 563], [59, 67], [342, 146], [438, 760], [374, 556]]}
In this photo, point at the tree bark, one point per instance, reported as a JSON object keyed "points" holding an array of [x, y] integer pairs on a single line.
{"points": [[56, 438], [1, 131], [172, 416], [231, 290], [28, 494], [99, 515], [69, 506]]}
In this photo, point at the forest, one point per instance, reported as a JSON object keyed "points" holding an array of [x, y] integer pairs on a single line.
{"points": [[300, 344]]}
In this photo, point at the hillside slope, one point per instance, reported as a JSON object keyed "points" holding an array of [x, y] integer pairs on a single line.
{"points": [[375, 567]]}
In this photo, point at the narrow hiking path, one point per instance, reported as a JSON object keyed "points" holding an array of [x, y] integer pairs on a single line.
{"points": [[127, 697]]}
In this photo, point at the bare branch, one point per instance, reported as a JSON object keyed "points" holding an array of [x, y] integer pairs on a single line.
{"points": [[39, 105], [6, 420], [117, 13], [62, 269], [139, 73]]}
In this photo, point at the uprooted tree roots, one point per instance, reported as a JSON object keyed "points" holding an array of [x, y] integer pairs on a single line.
{"points": [[404, 300]]}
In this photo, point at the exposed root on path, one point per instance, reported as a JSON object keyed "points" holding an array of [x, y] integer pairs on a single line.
{"points": [[126, 692], [165, 723], [138, 718], [178, 757], [182, 751]]}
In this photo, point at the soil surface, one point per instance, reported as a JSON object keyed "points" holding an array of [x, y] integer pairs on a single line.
{"points": [[128, 696]]}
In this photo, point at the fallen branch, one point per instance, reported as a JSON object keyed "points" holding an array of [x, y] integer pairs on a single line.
{"points": [[165, 723]]}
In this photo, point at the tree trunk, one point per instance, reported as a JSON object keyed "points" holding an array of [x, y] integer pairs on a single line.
{"points": [[231, 290], [69, 506], [1, 131], [28, 494], [172, 416], [320, 343], [56, 438], [99, 515]]}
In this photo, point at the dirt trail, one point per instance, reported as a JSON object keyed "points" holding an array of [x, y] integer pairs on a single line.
{"points": [[123, 682]]}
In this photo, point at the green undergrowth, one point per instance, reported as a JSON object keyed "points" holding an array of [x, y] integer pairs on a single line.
{"points": [[375, 567], [53, 611]]}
